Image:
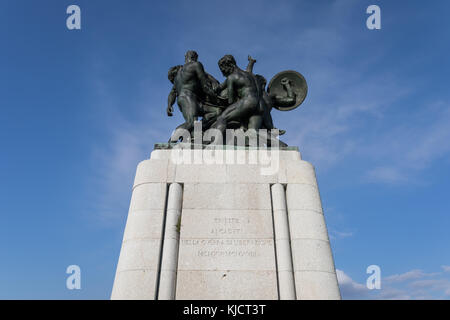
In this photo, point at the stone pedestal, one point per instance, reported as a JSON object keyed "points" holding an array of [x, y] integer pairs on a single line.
{"points": [[225, 224]]}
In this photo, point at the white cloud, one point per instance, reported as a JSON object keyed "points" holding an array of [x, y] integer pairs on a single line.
{"points": [[129, 142], [411, 147], [350, 289], [393, 294], [446, 268], [334, 234], [328, 128], [116, 155], [336, 122], [115, 165], [390, 175], [440, 287], [433, 141], [413, 274], [413, 284]]}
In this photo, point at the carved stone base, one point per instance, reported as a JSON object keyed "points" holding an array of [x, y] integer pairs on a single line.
{"points": [[247, 227]]}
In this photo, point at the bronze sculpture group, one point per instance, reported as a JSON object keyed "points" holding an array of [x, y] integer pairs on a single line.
{"points": [[240, 102]]}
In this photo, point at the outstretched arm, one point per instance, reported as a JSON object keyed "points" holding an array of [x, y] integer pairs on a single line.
{"points": [[251, 62], [171, 100]]}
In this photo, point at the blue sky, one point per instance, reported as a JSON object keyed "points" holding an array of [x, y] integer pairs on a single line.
{"points": [[81, 108]]}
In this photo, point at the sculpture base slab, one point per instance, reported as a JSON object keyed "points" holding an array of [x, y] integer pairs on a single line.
{"points": [[225, 223]]}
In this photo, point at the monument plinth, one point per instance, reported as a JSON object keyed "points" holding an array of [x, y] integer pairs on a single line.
{"points": [[226, 210], [225, 223]]}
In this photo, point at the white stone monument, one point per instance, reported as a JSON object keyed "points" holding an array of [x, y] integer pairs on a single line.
{"points": [[225, 223]]}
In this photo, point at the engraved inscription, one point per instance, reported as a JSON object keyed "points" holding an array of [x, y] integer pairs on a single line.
{"points": [[231, 247], [226, 225]]}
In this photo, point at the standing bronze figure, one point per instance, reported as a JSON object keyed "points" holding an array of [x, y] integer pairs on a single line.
{"points": [[240, 102]]}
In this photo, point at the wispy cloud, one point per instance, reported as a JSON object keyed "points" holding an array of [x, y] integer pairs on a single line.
{"points": [[116, 165], [410, 275], [334, 234], [413, 284], [129, 140], [408, 149], [446, 268], [441, 287], [335, 125], [126, 142], [350, 289], [390, 175]]}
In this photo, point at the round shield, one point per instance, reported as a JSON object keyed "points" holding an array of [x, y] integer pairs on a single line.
{"points": [[277, 86]]}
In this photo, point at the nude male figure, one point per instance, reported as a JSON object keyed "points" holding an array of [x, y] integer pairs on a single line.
{"points": [[190, 83], [242, 93]]}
